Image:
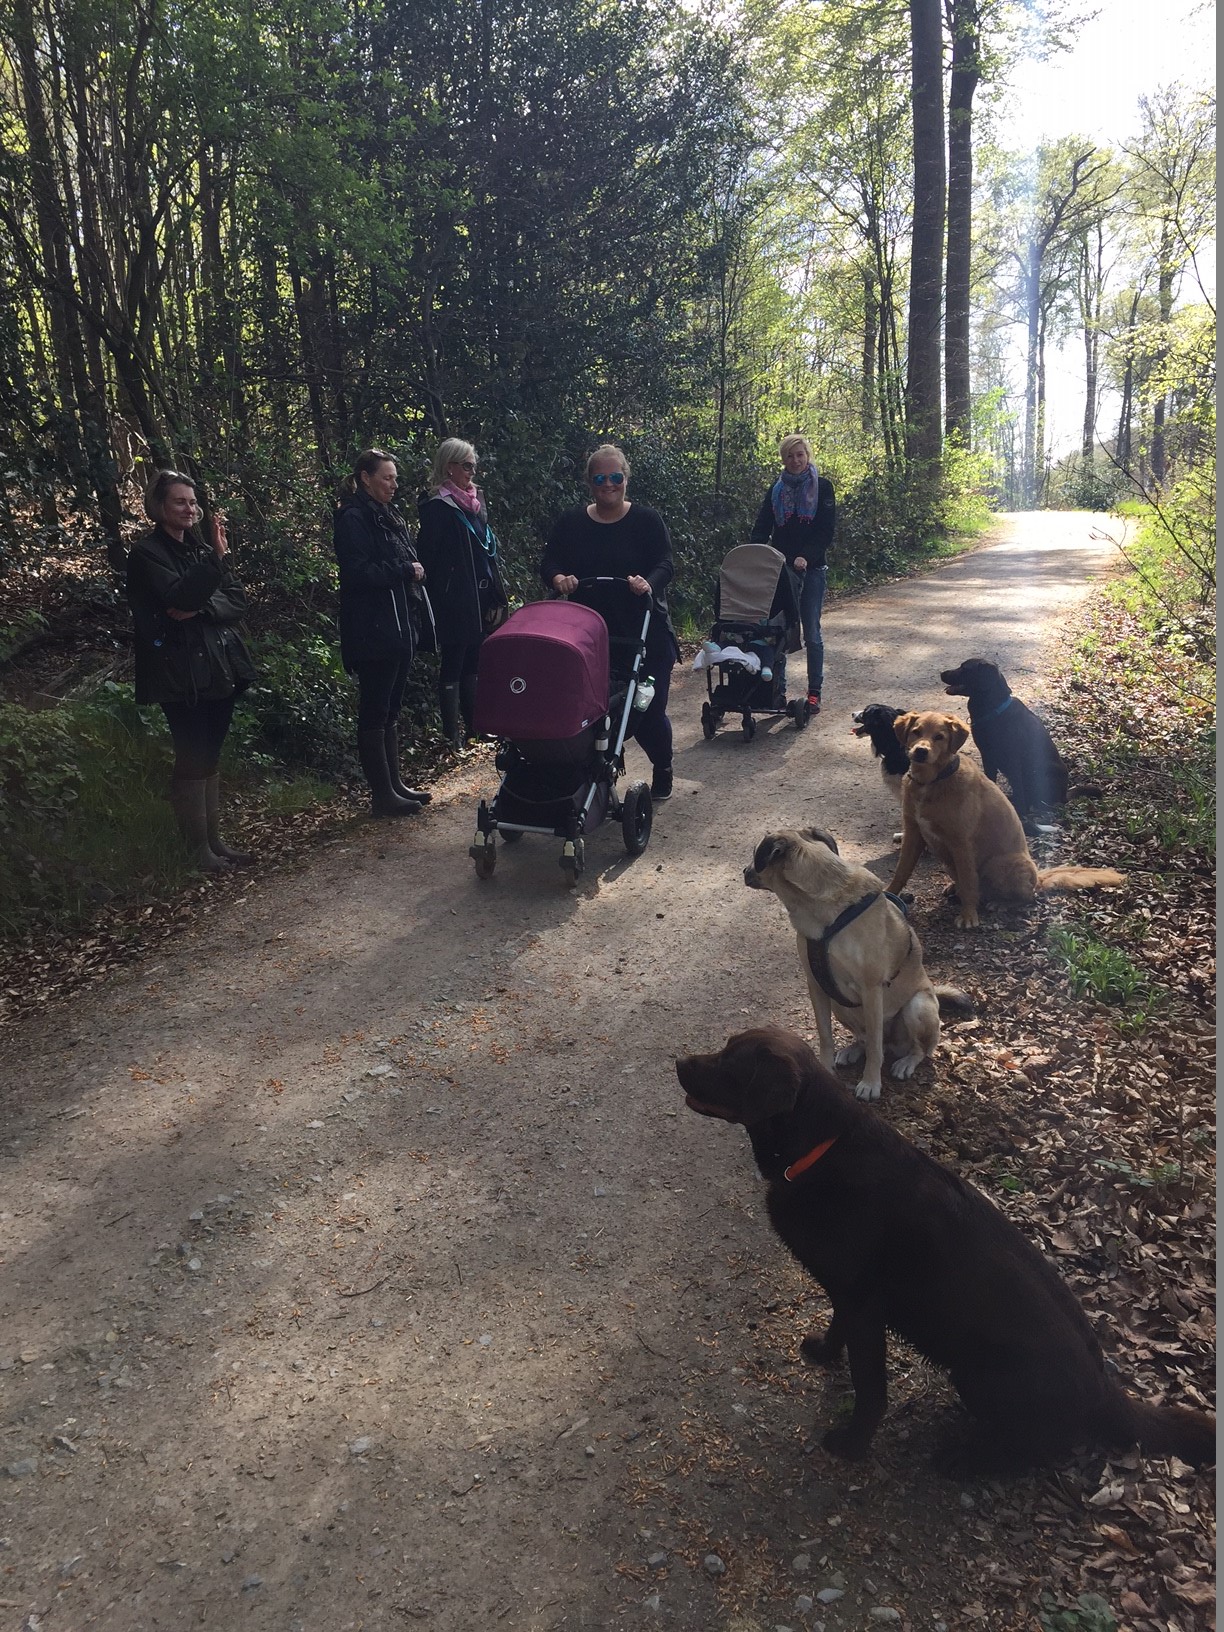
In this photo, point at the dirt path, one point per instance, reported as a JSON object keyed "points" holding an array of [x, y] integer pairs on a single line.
{"points": [[361, 1267]]}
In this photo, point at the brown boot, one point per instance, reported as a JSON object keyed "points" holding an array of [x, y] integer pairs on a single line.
{"points": [[212, 807], [187, 800]]}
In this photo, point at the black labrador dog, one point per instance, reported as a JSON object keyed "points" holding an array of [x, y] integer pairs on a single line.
{"points": [[901, 1244], [1009, 736]]}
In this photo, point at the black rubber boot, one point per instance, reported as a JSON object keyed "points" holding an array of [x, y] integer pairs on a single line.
{"points": [[661, 784], [212, 808], [391, 748], [384, 801], [448, 707], [187, 800], [467, 705]]}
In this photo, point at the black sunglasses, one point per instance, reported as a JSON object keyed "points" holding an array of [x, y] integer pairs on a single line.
{"points": [[616, 477], [464, 464]]}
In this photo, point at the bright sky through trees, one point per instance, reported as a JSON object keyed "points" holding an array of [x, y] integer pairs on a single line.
{"points": [[1128, 50]]}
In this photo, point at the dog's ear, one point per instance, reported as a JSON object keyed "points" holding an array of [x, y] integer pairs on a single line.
{"points": [[818, 836], [901, 726], [769, 1071], [772, 849], [958, 731]]}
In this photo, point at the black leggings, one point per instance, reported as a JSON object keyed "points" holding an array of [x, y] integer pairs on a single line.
{"points": [[198, 731], [456, 662], [380, 691]]}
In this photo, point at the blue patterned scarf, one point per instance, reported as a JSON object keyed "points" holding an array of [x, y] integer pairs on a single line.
{"points": [[796, 495]]}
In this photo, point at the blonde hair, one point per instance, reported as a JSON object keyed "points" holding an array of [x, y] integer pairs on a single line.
{"points": [[159, 488], [603, 451], [790, 443], [451, 451]]}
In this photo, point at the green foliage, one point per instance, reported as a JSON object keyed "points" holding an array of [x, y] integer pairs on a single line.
{"points": [[1159, 1177], [83, 813], [1103, 973], [1089, 1613], [300, 711], [15, 636]]}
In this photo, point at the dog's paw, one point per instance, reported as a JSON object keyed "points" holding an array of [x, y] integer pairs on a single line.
{"points": [[867, 1090], [846, 1440], [850, 1055], [907, 1065], [967, 920], [897, 837], [818, 1351]]}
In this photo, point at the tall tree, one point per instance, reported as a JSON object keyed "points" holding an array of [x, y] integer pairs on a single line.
{"points": [[923, 419]]}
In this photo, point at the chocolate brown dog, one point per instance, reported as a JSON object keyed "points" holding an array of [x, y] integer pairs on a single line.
{"points": [[900, 1244]]}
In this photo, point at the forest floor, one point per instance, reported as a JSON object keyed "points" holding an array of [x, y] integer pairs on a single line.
{"points": [[364, 1269]]}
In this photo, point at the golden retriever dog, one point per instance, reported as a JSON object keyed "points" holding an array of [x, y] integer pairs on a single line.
{"points": [[949, 806], [861, 959]]}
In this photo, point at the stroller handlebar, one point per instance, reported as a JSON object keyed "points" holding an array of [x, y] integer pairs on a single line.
{"points": [[623, 582]]}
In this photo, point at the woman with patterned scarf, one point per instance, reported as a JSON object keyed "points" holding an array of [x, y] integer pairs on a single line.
{"points": [[797, 518], [460, 553]]}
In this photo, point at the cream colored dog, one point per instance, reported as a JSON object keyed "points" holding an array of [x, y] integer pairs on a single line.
{"points": [[862, 960]]}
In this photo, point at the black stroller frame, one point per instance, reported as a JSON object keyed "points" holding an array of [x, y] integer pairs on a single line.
{"points": [[535, 781], [764, 613]]}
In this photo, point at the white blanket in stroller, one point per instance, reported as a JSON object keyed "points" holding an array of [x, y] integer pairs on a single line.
{"points": [[709, 653]]}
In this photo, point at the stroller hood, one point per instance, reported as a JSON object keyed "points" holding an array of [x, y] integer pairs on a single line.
{"points": [[543, 675], [751, 582]]}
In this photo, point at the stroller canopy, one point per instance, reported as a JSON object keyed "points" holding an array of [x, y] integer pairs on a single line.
{"points": [[754, 584], [543, 675]]}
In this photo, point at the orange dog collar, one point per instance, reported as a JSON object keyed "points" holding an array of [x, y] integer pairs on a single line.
{"points": [[810, 1160]]}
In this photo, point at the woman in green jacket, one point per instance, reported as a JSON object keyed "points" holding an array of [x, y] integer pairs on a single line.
{"points": [[186, 606]]}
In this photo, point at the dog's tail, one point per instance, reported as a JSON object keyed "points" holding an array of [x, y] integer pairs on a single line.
{"points": [[953, 1003], [1078, 878], [1162, 1430]]}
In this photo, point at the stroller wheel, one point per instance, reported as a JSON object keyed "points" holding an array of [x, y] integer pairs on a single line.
{"points": [[749, 728], [709, 721], [573, 861], [512, 837], [485, 856], [637, 817]]}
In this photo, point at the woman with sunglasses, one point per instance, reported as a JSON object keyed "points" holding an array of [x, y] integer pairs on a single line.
{"points": [[797, 517], [460, 553], [615, 537]]}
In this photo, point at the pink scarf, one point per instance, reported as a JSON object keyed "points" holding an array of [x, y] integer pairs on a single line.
{"points": [[467, 497]]}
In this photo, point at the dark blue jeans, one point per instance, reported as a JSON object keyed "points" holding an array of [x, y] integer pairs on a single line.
{"points": [[811, 603]]}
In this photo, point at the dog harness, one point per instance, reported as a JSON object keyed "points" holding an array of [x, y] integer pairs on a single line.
{"points": [[818, 950]]}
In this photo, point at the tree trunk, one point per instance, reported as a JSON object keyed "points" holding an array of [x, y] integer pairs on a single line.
{"points": [[964, 83], [923, 420]]}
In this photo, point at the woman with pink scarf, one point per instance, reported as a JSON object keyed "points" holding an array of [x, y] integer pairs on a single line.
{"points": [[459, 551]]}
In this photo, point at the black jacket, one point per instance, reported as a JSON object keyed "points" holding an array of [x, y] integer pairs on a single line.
{"points": [[810, 539], [464, 577], [187, 660], [383, 612]]}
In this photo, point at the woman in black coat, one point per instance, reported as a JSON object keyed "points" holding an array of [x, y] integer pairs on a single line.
{"points": [[797, 517], [459, 551], [186, 605], [616, 537], [383, 615]]}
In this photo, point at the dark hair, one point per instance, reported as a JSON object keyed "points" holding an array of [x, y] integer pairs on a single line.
{"points": [[155, 493], [365, 465]]}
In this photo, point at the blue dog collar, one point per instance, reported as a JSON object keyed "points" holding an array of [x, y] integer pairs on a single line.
{"points": [[1006, 703]]}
